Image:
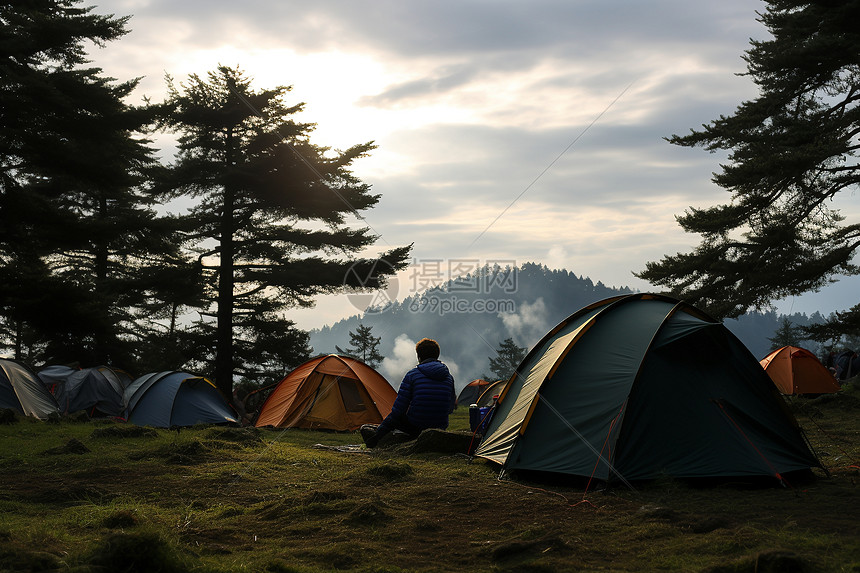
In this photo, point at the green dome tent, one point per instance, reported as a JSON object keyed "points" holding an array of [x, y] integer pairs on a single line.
{"points": [[638, 386]]}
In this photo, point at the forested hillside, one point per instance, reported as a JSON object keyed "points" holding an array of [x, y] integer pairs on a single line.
{"points": [[471, 316]]}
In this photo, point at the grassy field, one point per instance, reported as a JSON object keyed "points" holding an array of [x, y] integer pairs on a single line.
{"points": [[79, 495]]}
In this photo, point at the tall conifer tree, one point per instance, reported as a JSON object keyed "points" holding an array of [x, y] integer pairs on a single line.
{"points": [[363, 346], [78, 226], [792, 150], [271, 216], [508, 357]]}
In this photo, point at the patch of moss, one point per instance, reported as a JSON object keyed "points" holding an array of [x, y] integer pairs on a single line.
{"points": [[370, 513], [124, 432], [394, 471], [120, 519], [139, 552], [8, 417], [73, 446]]}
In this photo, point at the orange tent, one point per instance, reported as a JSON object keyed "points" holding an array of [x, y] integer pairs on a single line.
{"points": [[797, 371], [328, 392]]}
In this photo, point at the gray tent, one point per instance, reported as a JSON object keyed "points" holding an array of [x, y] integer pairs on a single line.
{"points": [[98, 391], [639, 386], [22, 391], [167, 399], [51, 376]]}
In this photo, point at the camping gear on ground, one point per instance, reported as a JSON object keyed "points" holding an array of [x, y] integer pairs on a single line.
{"points": [[175, 399], [638, 386], [22, 391], [479, 418], [796, 370], [471, 391], [98, 391], [330, 392]]}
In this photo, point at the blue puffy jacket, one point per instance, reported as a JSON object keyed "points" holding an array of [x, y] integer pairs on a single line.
{"points": [[424, 400]]}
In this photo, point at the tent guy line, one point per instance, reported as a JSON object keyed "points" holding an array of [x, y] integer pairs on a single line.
{"points": [[551, 163], [599, 455]]}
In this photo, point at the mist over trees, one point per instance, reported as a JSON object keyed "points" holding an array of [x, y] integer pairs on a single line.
{"points": [[521, 304], [96, 271], [471, 314]]}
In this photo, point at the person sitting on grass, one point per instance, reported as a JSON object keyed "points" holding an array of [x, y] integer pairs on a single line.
{"points": [[425, 399]]}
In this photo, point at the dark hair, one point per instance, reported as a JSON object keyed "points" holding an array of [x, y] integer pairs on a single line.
{"points": [[427, 348]]}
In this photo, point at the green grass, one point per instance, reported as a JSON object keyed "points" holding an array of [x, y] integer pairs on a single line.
{"points": [[219, 499]]}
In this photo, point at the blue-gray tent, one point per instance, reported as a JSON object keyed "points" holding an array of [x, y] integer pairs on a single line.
{"points": [[97, 391], [847, 364], [168, 399], [22, 391], [638, 386]]}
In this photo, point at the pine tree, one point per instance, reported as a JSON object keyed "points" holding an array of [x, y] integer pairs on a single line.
{"points": [[791, 152], [788, 334], [363, 346], [79, 229], [508, 357], [840, 330], [271, 215]]}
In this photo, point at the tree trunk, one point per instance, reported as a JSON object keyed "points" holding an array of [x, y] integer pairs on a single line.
{"points": [[100, 269], [19, 326], [224, 328]]}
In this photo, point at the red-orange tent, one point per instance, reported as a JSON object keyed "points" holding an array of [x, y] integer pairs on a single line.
{"points": [[797, 371], [328, 392], [470, 392]]}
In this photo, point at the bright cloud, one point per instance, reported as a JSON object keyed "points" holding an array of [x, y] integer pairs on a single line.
{"points": [[531, 131]]}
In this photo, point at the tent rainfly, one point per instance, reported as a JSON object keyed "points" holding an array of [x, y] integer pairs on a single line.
{"points": [[797, 371], [175, 399], [638, 386], [22, 391], [330, 392], [97, 391]]}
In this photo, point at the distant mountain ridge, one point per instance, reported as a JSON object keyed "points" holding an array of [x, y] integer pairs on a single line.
{"points": [[472, 314]]}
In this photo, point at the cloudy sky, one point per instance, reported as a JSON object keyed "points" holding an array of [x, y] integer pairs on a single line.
{"points": [[507, 131]]}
